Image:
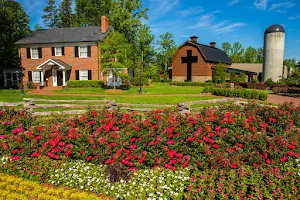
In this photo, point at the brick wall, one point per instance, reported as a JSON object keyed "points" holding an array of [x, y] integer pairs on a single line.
{"points": [[89, 63], [201, 68]]}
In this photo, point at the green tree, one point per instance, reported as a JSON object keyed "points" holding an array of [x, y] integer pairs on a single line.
{"points": [[232, 76], [14, 26], [237, 52], [113, 56], [250, 55], [51, 18], [226, 46], [220, 73], [259, 55], [166, 49], [65, 14], [37, 26]]}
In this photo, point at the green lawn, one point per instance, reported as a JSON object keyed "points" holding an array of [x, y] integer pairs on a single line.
{"points": [[155, 88]]}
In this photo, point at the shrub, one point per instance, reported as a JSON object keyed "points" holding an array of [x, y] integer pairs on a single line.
{"points": [[220, 73], [85, 84], [192, 84], [29, 85], [135, 81], [248, 94], [269, 82], [257, 86], [254, 80]]}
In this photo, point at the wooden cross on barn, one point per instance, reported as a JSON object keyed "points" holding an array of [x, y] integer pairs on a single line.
{"points": [[189, 60]]}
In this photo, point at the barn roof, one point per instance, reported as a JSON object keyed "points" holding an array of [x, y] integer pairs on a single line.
{"points": [[65, 35], [213, 54]]}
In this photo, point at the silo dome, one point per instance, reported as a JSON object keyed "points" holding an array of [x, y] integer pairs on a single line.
{"points": [[274, 28]]}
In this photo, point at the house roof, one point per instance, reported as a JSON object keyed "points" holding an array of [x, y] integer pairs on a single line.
{"points": [[213, 54], [65, 35], [251, 67], [51, 62]]}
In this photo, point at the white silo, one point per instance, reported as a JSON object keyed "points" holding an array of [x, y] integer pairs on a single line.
{"points": [[273, 52]]}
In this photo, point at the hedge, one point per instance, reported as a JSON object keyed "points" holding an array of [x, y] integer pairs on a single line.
{"points": [[83, 84], [248, 94], [258, 86], [192, 84]]}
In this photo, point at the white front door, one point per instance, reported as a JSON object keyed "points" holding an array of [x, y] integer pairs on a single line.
{"points": [[54, 75]]}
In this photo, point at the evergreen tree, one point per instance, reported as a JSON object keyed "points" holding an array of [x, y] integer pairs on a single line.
{"points": [[14, 26], [260, 55], [51, 18], [65, 14]]}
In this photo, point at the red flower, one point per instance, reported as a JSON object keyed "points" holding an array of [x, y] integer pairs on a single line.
{"points": [[268, 161], [292, 146], [233, 166], [142, 159], [185, 164], [173, 162], [283, 159], [132, 140], [14, 158], [89, 158], [15, 151], [109, 161], [68, 153], [173, 168]]}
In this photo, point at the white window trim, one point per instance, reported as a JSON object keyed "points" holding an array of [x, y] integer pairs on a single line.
{"points": [[85, 70], [79, 47], [55, 54], [31, 53], [33, 81]]}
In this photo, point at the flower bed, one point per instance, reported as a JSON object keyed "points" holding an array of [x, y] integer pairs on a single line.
{"points": [[229, 137], [12, 187], [231, 152]]}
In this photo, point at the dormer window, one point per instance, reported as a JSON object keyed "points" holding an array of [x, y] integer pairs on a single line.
{"points": [[58, 51], [34, 53]]}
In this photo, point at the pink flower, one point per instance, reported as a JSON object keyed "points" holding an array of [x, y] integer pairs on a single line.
{"points": [[170, 142], [133, 146], [186, 157]]}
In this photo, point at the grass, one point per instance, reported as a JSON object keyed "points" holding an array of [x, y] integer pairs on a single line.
{"points": [[155, 88]]}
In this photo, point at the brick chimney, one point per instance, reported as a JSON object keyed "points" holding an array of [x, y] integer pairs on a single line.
{"points": [[212, 44], [104, 24], [194, 39]]}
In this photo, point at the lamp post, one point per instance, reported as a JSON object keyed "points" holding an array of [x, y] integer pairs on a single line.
{"points": [[21, 76]]}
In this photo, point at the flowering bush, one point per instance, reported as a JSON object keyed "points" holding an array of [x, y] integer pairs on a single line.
{"points": [[227, 137], [17, 188]]}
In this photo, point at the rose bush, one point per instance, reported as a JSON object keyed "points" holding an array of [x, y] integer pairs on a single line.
{"points": [[227, 137]]}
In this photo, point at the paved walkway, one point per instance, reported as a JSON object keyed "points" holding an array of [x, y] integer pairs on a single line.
{"points": [[277, 99]]}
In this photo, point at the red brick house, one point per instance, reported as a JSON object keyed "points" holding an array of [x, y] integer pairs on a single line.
{"points": [[54, 56]]}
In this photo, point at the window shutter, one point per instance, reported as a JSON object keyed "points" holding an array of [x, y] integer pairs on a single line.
{"points": [[62, 51], [30, 76], [28, 53], [40, 52], [77, 74], [89, 51], [76, 51], [40, 76], [53, 51], [90, 74]]}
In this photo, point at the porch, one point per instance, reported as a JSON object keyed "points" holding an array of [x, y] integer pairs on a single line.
{"points": [[53, 73]]}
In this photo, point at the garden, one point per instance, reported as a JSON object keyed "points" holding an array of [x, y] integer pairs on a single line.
{"points": [[229, 152]]}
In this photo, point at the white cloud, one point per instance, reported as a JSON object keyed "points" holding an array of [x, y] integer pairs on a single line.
{"points": [[288, 4], [294, 17], [163, 6], [233, 2], [208, 21], [261, 4], [281, 11], [191, 11]]}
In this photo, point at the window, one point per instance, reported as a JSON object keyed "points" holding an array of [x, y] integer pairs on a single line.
{"points": [[83, 75], [83, 51], [36, 76], [58, 51], [34, 53]]}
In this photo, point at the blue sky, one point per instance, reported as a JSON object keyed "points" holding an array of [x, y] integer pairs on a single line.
{"points": [[213, 20]]}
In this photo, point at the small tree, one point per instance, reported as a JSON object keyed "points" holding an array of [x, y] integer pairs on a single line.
{"points": [[220, 74], [113, 56], [232, 77]]}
